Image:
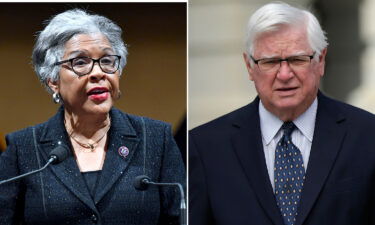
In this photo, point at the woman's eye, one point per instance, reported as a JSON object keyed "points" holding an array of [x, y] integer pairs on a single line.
{"points": [[81, 62], [106, 61]]}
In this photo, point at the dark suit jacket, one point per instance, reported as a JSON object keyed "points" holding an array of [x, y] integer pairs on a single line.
{"points": [[229, 182], [59, 195]]}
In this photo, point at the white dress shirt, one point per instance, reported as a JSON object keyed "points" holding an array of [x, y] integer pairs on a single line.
{"points": [[302, 136]]}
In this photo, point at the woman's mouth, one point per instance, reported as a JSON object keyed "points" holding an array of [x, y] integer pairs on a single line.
{"points": [[98, 94]]}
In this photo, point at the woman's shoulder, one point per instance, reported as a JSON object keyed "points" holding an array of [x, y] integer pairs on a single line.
{"points": [[53, 121], [26, 133], [136, 120]]}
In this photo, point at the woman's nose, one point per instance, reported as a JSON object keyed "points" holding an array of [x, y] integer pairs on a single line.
{"points": [[96, 73]]}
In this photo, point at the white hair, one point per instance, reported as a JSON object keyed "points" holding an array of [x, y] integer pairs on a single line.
{"points": [[50, 45], [272, 16]]}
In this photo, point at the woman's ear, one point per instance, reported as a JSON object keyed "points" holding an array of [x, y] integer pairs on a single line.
{"points": [[54, 85]]}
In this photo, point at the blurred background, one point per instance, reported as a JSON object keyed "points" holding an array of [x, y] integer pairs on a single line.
{"points": [[218, 79], [153, 83]]}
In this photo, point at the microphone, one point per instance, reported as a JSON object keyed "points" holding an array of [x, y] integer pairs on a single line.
{"points": [[142, 182], [57, 155]]}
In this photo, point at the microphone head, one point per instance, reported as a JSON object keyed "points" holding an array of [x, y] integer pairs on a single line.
{"points": [[60, 153], [141, 182]]}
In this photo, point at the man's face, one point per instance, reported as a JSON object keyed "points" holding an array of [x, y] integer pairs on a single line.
{"points": [[289, 90]]}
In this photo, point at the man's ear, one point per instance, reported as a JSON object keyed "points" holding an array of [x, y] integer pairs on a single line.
{"points": [[54, 85], [248, 65], [322, 61]]}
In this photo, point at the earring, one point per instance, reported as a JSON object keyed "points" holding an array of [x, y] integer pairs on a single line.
{"points": [[56, 98], [119, 94]]}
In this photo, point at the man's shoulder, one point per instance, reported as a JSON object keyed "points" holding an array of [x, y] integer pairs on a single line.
{"points": [[355, 118], [225, 121], [349, 111]]}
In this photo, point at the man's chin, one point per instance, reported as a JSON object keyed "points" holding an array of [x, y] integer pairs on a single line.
{"points": [[287, 104]]}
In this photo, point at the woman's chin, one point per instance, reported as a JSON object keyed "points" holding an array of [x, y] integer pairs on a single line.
{"points": [[94, 108]]}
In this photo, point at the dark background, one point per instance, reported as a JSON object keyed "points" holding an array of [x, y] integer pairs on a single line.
{"points": [[153, 83]]}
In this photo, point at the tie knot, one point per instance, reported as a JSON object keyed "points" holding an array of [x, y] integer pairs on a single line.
{"points": [[288, 128]]}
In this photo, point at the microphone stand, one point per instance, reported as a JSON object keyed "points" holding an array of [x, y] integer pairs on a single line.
{"points": [[53, 158], [183, 215]]}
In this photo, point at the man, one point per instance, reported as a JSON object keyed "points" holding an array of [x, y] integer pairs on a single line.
{"points": [[293, 156]]}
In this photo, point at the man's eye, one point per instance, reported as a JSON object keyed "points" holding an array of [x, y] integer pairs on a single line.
{"points": [[269, 61], [298, 60]]}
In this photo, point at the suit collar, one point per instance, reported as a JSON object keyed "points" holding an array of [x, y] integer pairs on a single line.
{"points": [[121, 133], [330, 130], [247, 142]]}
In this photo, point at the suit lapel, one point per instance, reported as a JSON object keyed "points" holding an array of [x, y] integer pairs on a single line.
{"points": [[67, 171], [248, 146], [121, 134], [329, 133]]}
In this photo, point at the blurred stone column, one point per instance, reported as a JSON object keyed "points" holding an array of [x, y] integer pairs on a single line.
{"points": [[340, 19], [364, 94]]}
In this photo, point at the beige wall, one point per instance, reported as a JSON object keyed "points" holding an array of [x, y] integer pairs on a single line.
{"points": [[153, 83]]}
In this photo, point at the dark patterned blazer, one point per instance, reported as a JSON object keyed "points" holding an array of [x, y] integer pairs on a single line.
{"points": [[229, 183], [59, 195]]}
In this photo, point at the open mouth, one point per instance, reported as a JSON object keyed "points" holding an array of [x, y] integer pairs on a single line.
{"points": [[286, 89], [98, 94], [97, 91]]}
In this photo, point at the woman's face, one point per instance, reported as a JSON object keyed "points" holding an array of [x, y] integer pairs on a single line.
{"points": [[95, 92]]}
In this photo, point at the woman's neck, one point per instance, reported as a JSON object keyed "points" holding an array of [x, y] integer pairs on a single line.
{"points": [[86, 125]]}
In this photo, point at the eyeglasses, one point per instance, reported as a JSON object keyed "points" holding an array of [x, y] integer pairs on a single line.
{"points": [[274, 64], [84, 65]]}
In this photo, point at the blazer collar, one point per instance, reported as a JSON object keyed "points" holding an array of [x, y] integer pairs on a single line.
{"points": [[247, 142], [121, 134], [55, 129], [330, 131]]}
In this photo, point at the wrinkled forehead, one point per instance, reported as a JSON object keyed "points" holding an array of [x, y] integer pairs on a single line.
{"points": [[284, 38]]}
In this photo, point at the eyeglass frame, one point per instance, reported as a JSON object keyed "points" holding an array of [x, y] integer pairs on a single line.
{"points": [[256, 61], [93, 63]]}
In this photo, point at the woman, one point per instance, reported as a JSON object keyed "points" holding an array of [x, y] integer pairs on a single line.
{"points": [[79, 58]]}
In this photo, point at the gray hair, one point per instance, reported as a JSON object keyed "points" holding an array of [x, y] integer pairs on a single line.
{"points": [[50, 43], [272, 16]]}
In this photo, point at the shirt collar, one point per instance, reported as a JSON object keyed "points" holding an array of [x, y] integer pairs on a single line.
{"points": [[271, 124]]}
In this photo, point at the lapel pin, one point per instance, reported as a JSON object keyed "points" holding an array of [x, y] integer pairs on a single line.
{"points": [[123, 151]]}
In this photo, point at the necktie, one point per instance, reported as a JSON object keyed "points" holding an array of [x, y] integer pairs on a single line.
{"points": [[289, 175]]}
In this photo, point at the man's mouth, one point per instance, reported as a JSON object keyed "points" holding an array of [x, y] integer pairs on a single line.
{"points": [[286, 89]]}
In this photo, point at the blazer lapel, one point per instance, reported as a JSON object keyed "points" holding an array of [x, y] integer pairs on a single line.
{"points": [[121, 134], [329, 133], [67, 171], [249, 149]]}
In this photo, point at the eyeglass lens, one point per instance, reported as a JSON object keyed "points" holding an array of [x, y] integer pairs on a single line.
{"points": [[84, 65], [296, 62]]}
